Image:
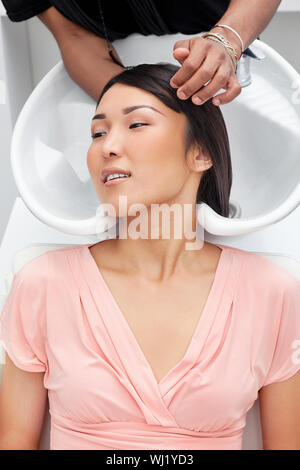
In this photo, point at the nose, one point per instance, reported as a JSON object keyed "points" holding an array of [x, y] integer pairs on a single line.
{"points": [[112, 144]]}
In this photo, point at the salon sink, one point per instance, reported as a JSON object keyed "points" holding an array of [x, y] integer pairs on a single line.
{"points": [[52, 136]]}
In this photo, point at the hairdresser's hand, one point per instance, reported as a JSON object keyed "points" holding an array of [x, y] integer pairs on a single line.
{"points": [[203, 60]]}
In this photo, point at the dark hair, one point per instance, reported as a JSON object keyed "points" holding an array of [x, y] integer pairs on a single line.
{"points": [[205, 127]]}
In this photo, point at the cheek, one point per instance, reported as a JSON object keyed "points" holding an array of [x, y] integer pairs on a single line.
{"points": [[163, 182], [163, 146], [172, 164], [162, 165]]}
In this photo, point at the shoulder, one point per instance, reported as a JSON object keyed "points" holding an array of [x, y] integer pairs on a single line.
{"points": [[50, 265], [264, 274]]}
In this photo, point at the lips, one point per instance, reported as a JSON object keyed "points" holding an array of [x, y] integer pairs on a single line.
{"points": [[109, 171]]}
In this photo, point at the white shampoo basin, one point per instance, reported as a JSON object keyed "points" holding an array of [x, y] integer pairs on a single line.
{"points": [[52, 136]]}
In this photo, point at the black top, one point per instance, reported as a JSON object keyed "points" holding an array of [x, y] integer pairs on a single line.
{"points": [[123, 17]]}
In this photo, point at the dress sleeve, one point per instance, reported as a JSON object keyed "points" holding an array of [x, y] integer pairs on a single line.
{"points": [[286, 359], [22, 319], [20, 10]]}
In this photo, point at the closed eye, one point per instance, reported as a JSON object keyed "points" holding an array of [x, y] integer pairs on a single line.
{"points": [[98, 134], [136, 123]]}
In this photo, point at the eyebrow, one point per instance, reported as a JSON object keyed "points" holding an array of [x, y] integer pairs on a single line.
{"points": [[128, 110]]}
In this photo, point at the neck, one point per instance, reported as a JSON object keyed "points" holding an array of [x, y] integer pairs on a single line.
{"points": [[158, 247]]}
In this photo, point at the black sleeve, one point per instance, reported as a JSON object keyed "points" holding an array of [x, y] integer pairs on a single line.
{"points": [[20, 10]]}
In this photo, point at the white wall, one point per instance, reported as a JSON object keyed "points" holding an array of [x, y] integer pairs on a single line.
{"points": [[34, 52], [16, 85], [44, 50], [283, 34]]}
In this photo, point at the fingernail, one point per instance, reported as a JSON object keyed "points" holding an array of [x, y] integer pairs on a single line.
{"points": [[197, 100], [174, 85], [181, 94], [217, 102]]}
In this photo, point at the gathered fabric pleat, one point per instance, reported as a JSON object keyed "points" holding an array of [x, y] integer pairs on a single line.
{"points": [[124, 435]]}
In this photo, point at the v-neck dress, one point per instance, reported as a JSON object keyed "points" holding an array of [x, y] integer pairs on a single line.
{"points": [[61, 318]]}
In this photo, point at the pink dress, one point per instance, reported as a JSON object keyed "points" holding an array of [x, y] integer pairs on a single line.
{"points": [[60, 318]]}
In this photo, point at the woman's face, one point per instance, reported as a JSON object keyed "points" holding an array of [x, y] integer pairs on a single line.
{"points": [[148, 143]]}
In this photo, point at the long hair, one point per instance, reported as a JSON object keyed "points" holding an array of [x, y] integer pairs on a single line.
{"points": [[205, 128]]}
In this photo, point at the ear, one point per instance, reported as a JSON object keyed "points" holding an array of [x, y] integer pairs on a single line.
{"points": [[201, 160]]}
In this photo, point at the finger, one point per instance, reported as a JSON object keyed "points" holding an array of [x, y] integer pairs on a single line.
{"points": [[181, 53], [233, 89], [192, 63], [197, 83], [185, 44], [219, 80], [181, 50], [181, 56], [215, 58]]}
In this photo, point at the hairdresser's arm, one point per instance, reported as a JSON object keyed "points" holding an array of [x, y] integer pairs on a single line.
{"points": [[84, 54], [204, 59], [249, 19]]}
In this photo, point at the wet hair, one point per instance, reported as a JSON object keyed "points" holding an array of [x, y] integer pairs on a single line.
{"points": [[205, 128]]}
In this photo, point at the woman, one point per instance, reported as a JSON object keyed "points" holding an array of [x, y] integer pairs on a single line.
{"points": [[140, 342], [84, 32]]}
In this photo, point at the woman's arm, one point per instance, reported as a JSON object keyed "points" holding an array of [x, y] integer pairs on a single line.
{"points": [[84, 54], [23, 400], [280, 414]]}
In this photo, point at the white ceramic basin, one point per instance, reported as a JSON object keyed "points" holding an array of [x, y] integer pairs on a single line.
{"points": [[52, 136]]}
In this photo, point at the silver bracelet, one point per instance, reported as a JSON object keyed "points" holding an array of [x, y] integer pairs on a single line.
{"points": [[234, 31], [217, 40]]}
